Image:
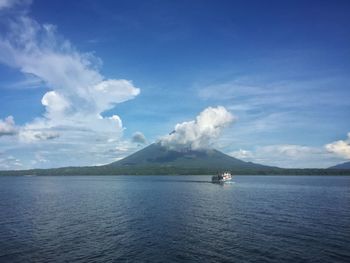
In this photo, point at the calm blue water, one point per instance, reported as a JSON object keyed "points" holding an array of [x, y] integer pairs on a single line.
{"points": [[174, 219]]}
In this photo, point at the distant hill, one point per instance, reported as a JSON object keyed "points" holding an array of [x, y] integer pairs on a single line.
{"points": [[158, 160], [344, 166], [157, 156]]}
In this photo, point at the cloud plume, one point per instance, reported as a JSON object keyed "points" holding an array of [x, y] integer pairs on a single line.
{"points": [[199, 133], [77, 94], [77, 87], [341, 147]]}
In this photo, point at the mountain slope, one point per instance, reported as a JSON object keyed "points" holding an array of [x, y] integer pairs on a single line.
{"points": [[345, 165], [156, 155], [158, 160]]}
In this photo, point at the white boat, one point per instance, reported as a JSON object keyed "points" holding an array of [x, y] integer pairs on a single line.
{"points": [[220, 178]]}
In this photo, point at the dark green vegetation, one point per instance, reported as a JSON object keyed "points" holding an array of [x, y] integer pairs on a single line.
{"points": [[158, 160]]}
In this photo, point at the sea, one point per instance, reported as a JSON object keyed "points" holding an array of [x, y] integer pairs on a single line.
{"points": [[174, 219]]}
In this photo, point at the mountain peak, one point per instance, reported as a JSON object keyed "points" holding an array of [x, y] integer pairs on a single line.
{"points": [[156, 155]]}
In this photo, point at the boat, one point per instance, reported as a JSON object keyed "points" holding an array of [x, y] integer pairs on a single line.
{"points": [[222, 177]]}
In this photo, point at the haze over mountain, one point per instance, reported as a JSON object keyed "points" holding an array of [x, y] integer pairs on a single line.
{"points": [[157, 159], [186, 150], [156, 155], [345, 165]]}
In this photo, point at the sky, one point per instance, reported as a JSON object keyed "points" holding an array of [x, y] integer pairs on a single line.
{"points": [[90, 82]]}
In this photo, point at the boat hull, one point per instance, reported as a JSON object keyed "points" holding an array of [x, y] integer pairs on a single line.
{"points": [[221, 178], [220, 181]]}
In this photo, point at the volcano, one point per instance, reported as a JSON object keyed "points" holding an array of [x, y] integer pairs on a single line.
{"points": [[156, 156], [156, 159], [342, 166]]}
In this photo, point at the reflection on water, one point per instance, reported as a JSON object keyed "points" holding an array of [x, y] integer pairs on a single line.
{"points": [[174, 219]]}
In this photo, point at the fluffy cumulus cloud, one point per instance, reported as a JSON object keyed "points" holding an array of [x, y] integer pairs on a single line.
{"points": [[341, 147], [78, 94], [198, 133], [138, 138], [7, 126]]}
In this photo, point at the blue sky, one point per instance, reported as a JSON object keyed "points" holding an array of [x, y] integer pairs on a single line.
{"points": [[78, 79]]}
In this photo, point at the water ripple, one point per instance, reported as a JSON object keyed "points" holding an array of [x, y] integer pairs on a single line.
{"points": [[174, 219]]}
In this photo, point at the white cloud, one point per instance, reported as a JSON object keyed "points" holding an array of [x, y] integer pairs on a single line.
{"points": [[9, 162], [39, 158], [78, 93], [30, 135], [288, 156], [139, 138], [55, 104], [242, 154], [28, 81], [341, 147], [269, 102], [199, 133], [110, 92], [7, 126]]}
